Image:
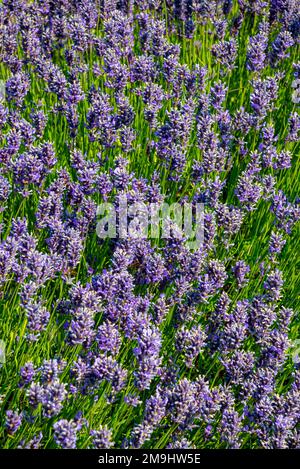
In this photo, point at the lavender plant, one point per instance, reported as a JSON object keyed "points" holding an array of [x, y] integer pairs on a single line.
{"points": [[130, 343]]}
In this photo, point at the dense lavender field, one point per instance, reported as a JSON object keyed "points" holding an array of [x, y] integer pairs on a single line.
{"points": [[143, 341]]}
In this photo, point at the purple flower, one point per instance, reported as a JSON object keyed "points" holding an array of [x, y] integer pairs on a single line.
{"points": [[153, 96], [274, 284], [283, 160], [52, 398], [285, 212], [33, 166], [294, 128], [17, 87], [182, 403], [276, 244], [263, 96], [34, 443], [160, 309], [3, 115], [147, 354], [143, 69], [100, 119], [257, 52], [240, 270], [261, 318], [102, 438], [27, 373], [51, 369], [282, 43], [190, 342], [39, 121], [216, 273], [239, 365], [65, 433], [5, 189], [119, 33], [231, 427], [132, 400], [108, 338], [218, 95], [229, 218], [155, 411], [107, 368], [182, 443], [226, 53], [13, 421], [38, 318], [248, 191]]}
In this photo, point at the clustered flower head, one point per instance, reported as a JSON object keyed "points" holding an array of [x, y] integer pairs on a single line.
{"points": [[138, 342]]}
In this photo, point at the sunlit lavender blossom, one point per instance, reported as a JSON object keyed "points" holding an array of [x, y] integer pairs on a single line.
{"points": [[65, 433], [13, 421], [102, 438]]}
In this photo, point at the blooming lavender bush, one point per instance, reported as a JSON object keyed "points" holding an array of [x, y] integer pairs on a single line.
{"points": [[125, 342]]}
